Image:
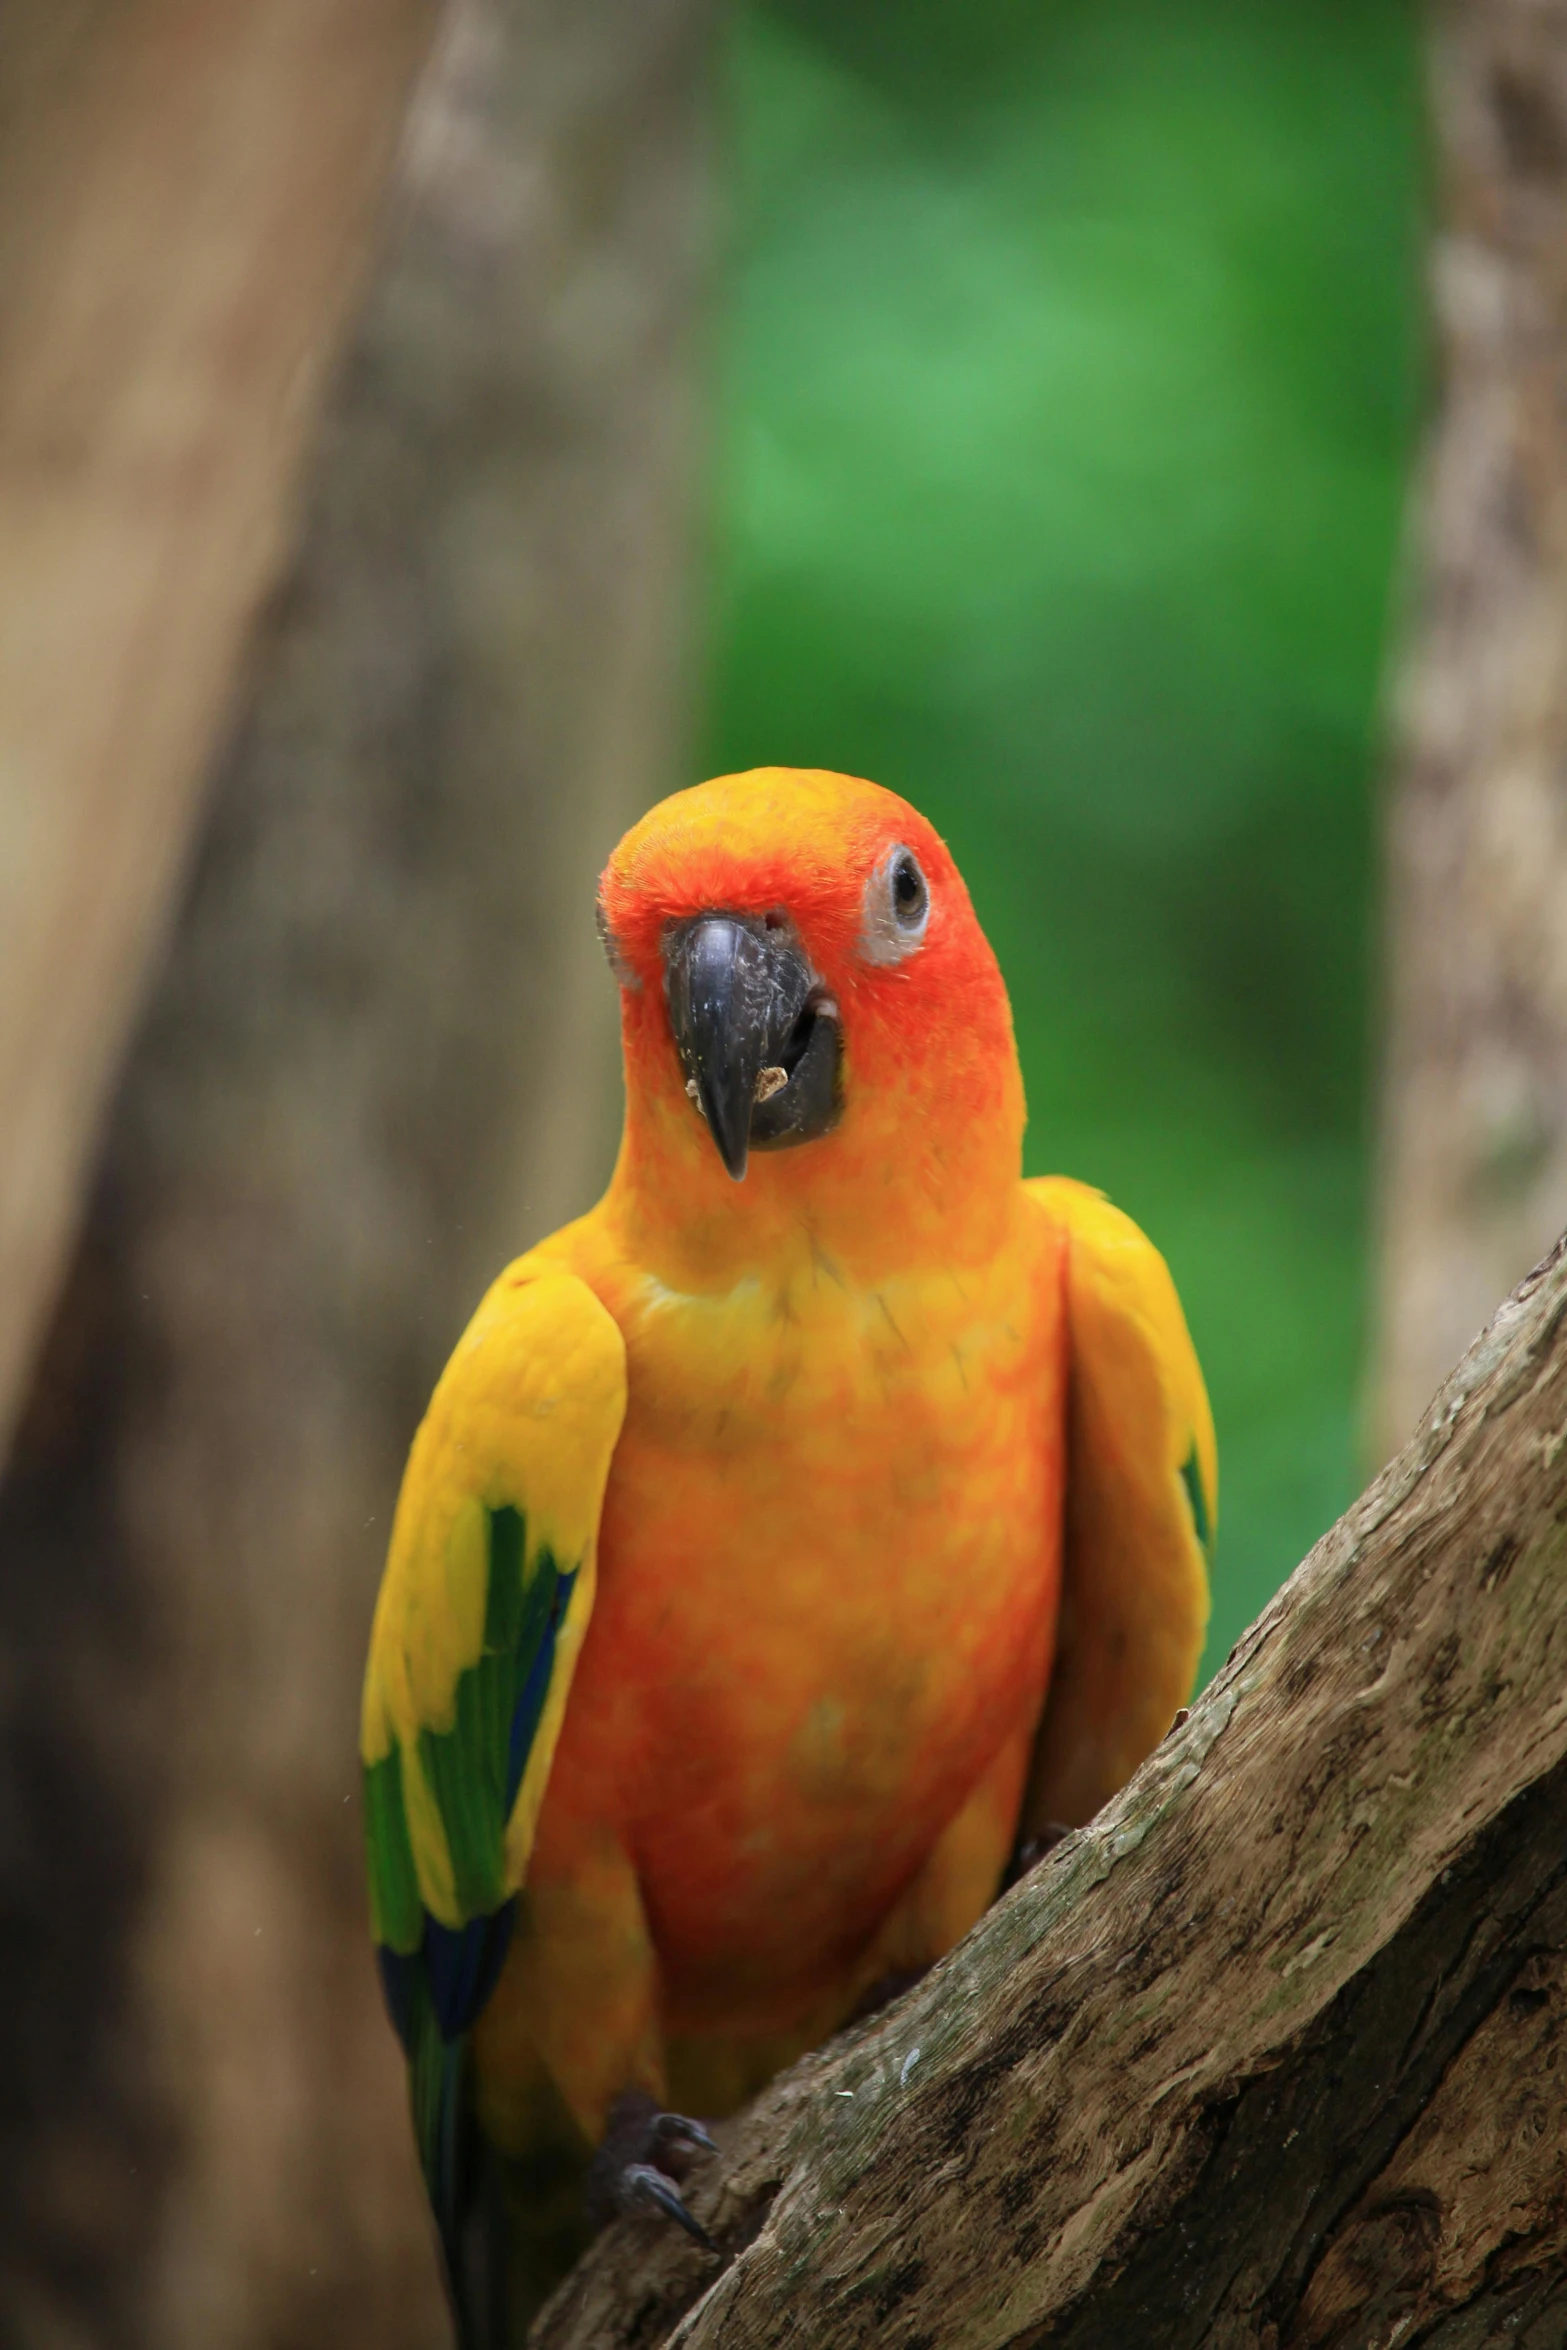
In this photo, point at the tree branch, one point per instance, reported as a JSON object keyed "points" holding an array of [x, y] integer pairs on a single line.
{"points": [[1263, 2055]]}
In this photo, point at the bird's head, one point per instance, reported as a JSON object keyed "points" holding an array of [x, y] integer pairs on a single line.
{"points": [[810, 1010]]}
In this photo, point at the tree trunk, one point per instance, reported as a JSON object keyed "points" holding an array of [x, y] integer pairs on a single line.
{"points": [[380, 1060], [187, 193], [1475, 1132], [1271, 2053]]}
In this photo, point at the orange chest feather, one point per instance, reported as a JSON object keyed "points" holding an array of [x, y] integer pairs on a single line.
{"points": [[828, 1571]]}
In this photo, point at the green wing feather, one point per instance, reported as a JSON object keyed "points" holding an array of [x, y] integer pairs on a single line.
{"points": [[483, 1606]]}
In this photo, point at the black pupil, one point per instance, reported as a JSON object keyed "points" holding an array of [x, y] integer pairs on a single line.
{"points": [[908, 888]]}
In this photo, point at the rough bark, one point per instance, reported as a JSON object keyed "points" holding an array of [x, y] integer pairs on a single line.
{"points": [[1475, 1132], [378, 1062], [187, 193], [1270, 2053]]}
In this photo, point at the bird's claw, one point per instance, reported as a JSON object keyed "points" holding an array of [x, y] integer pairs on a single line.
{"points": [[1030, 1851], [642, 2187], [643, 2161], [674, 2136]]}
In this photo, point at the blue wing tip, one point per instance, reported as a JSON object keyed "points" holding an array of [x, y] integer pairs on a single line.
{"points": [[456, 1967]]}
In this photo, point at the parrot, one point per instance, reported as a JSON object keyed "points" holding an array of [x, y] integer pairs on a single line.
{"points": [[791, 1544]]}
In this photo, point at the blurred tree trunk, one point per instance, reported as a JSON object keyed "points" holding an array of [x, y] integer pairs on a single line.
{"points": [[379, 1061], [187, 191], [1475, 1134]]}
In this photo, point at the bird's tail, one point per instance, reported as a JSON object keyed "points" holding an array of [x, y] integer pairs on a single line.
{"points": [[510, 2228], [464, 2179]]}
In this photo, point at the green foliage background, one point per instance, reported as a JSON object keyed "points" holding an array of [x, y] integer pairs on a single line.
{"points": [[1068, 375]]}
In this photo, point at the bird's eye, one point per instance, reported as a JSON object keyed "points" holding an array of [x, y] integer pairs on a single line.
{"points": [[910, 897], [897, 907]]}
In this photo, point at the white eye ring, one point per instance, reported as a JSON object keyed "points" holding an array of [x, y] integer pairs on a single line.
{"points": [[897, 907]]}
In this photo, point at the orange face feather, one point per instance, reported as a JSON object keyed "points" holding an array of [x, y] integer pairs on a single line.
{"points": [[928, 1148]]}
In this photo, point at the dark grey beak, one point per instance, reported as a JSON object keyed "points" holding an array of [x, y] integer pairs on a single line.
{"points": [[756, 1034]]}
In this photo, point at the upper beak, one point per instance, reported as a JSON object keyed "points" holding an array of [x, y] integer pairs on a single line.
{"points": [[737, 993]]}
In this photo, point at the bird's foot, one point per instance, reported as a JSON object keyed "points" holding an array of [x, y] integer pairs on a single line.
{"points": [[643, 2163], [1030, 1850]]}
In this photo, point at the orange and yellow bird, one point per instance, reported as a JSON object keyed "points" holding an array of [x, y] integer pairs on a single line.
{"points": [[787, 1540]]}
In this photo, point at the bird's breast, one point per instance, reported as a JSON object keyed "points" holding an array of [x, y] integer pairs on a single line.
{"points": [[828, 1568]]}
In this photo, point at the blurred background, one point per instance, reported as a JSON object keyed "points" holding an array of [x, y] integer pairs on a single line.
{"points": [[431, 430], [1068, 362]]}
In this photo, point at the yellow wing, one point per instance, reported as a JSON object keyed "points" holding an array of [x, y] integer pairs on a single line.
{"points": [[1141, 1501], [482, 1610]]}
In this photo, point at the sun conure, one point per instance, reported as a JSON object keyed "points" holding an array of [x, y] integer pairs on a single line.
{"points": [[786, 1543]]}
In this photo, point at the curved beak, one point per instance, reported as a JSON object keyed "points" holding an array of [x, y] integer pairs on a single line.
{"points": [[745, 1010]]}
